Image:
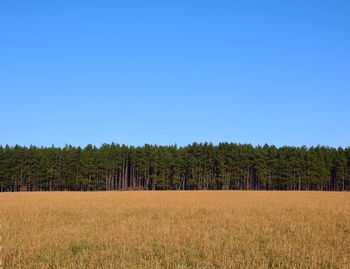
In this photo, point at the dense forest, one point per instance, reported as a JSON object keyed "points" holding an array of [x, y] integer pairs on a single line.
{"points": [[196, 166]]}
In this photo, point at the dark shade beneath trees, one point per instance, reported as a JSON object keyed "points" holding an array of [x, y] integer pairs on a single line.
{"points": [[196, 166]]}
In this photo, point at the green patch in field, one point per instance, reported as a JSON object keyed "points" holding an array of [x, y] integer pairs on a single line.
{"points": [[78, 248]]}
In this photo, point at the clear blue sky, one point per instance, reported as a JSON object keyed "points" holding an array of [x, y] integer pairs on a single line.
{"points": [[168, 72]]}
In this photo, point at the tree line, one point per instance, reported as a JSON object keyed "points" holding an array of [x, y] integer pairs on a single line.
{"points": [[199, 166]]}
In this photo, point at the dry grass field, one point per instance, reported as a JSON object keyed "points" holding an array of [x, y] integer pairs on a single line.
{"points": [[193, 229]]}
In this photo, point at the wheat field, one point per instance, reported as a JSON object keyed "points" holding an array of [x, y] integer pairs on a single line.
{"points": [[175, 229]]}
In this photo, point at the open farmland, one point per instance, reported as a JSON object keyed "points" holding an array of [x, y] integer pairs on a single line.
{"points": [[175, 229]]}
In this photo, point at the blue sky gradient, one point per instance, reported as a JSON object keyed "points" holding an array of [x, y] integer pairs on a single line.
{"points": [[165, 72]]}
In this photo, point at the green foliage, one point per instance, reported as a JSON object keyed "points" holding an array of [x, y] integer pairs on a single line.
{"points": [[152, 167]]}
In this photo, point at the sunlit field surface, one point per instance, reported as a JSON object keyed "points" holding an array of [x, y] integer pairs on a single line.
{"points": [[175, 229]]}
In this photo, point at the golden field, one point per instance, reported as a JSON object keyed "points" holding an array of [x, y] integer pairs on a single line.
{"points": [[175, 229]]}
